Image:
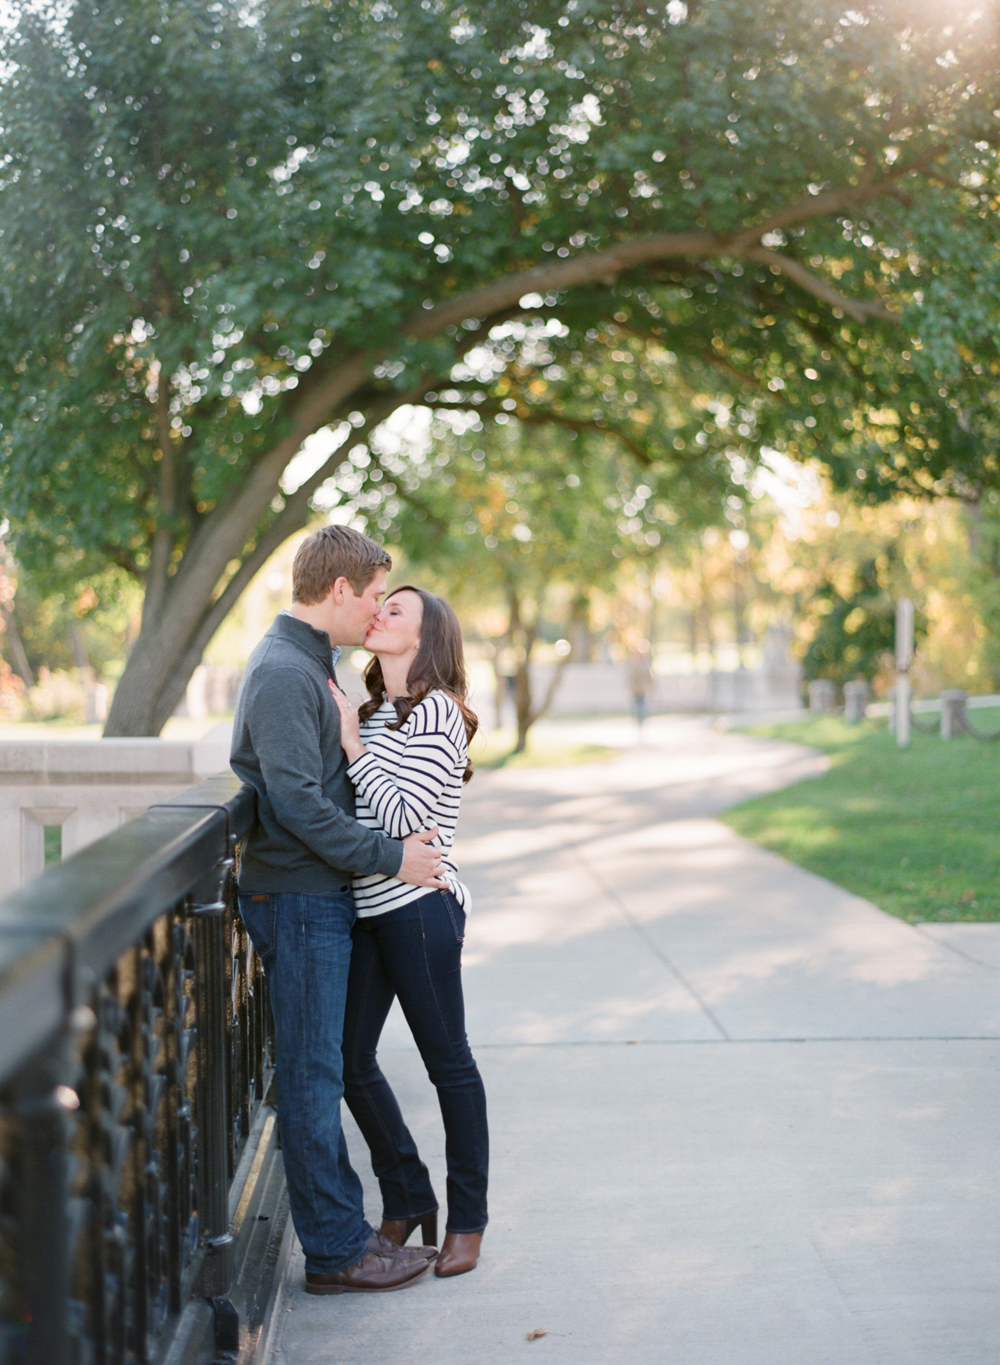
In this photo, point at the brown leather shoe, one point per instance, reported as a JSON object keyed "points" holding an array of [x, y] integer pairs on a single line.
{"points": [[383, 1246], [375, 1273], [459, 1253], [400, 1230]]}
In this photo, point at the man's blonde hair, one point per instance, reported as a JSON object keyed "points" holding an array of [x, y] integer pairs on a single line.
{"points": [[335, 552]]}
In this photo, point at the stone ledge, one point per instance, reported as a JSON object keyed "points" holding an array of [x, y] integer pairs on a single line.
{"points": [[90, 787]]}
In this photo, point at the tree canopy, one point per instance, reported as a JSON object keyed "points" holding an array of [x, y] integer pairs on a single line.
{"points": [[512, 516], [228, 227]]}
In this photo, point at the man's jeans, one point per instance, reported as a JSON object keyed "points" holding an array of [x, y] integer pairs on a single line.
{"points": [[305, 945], [415, 953]]}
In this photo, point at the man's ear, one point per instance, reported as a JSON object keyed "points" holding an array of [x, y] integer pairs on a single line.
{"points": [[338, 592]]}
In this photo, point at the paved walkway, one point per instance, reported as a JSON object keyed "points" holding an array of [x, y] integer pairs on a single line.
{"points": [[739, 1116]]}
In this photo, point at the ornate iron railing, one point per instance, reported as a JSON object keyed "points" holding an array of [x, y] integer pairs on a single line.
{"points": [[141, 1202]]}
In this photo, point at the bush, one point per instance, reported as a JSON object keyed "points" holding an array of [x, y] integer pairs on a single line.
{"points": [[56, 696], [12, 690]]}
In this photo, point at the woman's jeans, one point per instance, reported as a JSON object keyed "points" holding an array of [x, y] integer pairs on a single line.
{"points": [[415, 953], [305, 945]]}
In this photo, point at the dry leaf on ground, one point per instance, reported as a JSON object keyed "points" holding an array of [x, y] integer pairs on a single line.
{"points": [[538, 1332]]}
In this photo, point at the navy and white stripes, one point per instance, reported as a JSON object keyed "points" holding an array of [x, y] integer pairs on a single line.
{"points": [[410, 779]]}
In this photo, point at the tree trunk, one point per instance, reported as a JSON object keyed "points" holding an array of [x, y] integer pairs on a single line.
{"points": [[18, 656], [739, 611], [521, 640], [524, 635], [190, 608], [578, 631], [149, 689], [522, 704], [80, 656], [501, 688], [169, 647], [705, 611]]}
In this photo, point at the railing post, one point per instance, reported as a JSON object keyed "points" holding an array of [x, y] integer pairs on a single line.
{"points": [[211, 955], [855, 701], [41, 1104], [953, 701], [822, 696], [904, 658]]}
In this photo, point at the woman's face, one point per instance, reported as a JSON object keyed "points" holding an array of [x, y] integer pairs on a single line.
{"points": [[395, 633]]}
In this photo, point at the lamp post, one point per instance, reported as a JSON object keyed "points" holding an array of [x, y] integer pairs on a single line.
{"points": [[904, 658]]}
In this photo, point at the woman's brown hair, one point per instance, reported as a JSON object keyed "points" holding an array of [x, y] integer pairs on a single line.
{"points": [[440, 664]]}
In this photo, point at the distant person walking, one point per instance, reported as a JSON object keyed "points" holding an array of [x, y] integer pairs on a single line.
{"points": [[409, 758], [295, 897], [640, 679]]}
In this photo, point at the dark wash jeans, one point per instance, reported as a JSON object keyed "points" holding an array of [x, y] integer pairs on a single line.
{"points": [[305, 945], [415, 953]]}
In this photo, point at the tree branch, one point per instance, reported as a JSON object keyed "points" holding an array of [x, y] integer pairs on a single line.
{"points": [[832, 201], [542, 709], [21, 664], [650, 338], [586, 268], [607, 264], [547, 418], [295, 514], [213, 544], [727, 367], [163, 533], [805, 279], [122, 558]]}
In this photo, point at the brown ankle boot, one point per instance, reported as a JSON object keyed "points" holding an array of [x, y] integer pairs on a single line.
{"points": [[400, 1230], [373, 1274], [459, 1253]]}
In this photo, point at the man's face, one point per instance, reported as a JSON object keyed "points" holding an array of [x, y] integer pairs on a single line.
{"points": [[357, 611]]}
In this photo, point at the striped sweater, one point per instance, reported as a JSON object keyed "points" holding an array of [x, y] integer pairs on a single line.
{"points": [[410, 779]]}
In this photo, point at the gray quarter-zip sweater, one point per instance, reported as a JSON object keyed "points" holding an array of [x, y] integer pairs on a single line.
{"points": [[286, 744]]}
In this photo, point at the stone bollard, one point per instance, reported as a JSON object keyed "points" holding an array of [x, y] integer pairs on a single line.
{"points": [[822, 696], [96, 704], [855, 701], [953, 712]]}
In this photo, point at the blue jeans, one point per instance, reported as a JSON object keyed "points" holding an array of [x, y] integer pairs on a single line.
{"points": [[305, 945], [415, 953]]}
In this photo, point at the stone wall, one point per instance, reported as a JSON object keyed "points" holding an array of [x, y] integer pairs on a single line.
{"points": [[602, 689], [65, 793]]}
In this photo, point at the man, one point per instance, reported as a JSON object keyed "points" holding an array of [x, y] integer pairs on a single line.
{"points": [[295, 894]]}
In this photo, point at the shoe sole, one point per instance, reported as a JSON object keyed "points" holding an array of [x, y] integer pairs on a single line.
{"points": [[366, 1289], [450, 1274]]}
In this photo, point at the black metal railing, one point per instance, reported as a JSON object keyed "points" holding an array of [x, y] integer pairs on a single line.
{"points": [[137, 1147]]}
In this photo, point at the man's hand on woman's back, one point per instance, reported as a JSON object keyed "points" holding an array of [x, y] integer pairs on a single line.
{"points": [[421, 864]]}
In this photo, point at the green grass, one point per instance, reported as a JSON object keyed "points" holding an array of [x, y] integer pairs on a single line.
{"points": [[492, 749], [915, 830]]}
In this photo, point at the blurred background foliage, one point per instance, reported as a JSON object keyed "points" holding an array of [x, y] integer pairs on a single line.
{"points": [[543, 544], [661, 251]]}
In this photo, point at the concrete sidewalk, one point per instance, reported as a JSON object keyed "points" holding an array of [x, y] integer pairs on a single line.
{"points": [[739, 1116]]}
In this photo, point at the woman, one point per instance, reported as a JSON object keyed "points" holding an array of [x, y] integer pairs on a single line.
{"points": [[408, 759]]}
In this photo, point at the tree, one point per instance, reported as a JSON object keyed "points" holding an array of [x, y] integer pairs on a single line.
{"points": [[513, 515], [21, 671], [228, 227], [856, 633], [87, 632]]}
